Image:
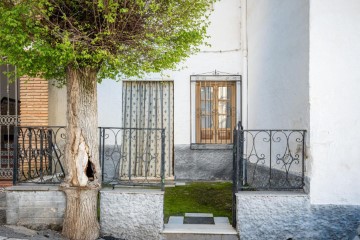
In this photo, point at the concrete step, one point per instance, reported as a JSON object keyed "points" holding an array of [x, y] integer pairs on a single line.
{"points": [[177, 230], [194, 236]]}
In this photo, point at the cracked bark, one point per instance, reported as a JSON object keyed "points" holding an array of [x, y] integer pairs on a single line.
{"points": [[81, 150]]}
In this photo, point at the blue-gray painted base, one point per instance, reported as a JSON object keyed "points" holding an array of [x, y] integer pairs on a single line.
{"points": [[284, 215], [204, 164]]}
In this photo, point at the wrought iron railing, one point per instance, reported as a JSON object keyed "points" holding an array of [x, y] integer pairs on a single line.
{"points": [[128, 156], [133, 156], [38, 154], [269, 159]]}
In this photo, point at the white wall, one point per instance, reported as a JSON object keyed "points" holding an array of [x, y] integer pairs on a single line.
{"points": [[278, 60], [225, 36], [57, 105], [334, 98]]}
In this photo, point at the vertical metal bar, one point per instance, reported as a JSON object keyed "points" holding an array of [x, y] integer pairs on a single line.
{"points": [[100, 153], [144, 135], [29, 152], [138, 85], [168, 128], [7, 90], [15, 160], [161, 85], [303, 158], [41, 153], [125, 112], [7, 146], [156, 123], [16, 97], [270, 170], [234, 178], [162, 160], [130, 133], [240, 151], [50, 149], [148, 133]]}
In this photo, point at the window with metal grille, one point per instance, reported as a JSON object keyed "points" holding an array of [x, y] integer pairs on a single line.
{"points": [[215, 111]]}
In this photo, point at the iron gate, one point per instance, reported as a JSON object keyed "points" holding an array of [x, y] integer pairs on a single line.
{"points": [[8, 119]]}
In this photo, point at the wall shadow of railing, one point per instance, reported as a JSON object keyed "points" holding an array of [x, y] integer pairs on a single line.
{"points": [[268, 160]]}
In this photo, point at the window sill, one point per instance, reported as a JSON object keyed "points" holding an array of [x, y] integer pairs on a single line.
{"points": [[204, 146]]}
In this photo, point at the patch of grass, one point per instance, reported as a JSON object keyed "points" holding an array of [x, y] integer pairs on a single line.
{"points": [[200, 197]]}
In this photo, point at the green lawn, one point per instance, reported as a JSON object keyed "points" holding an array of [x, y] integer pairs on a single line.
{"points": [[198, 197]]}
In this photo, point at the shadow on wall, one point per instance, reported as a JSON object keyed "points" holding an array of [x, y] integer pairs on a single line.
{"points": [[202, 164]]}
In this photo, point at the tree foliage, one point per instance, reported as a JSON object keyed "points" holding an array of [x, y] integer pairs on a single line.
{"points": [[128, 37]]}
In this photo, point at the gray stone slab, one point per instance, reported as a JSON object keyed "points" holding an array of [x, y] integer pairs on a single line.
{"points": [[199, 215], [199, 229], [182, 236], [199, 220], [221, 220], [176, 220]]}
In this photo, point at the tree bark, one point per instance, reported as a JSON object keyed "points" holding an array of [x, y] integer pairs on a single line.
{"points": [[83, 174]]}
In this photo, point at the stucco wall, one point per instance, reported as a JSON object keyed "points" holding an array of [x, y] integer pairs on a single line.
{"points": [[132, 213], [57, 105], [278, 61], [334, 96]]}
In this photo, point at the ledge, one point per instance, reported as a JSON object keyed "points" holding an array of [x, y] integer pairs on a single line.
{"points": [[132, 191], [272, 193], [197, 146], [33, 188]]}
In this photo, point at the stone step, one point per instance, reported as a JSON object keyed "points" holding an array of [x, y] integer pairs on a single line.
{"points": [[194, 236], [175, 229]]}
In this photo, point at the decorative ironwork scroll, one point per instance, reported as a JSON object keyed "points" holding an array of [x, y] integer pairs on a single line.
{"points": [[270, 159]]}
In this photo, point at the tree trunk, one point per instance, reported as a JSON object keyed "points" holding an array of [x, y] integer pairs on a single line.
{"points": [[83, 174]]}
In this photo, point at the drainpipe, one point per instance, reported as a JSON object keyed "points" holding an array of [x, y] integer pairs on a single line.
{"points": [[244, 50]]}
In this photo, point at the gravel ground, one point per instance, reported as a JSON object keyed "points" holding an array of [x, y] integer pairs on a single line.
{"points": [[11, 232]]}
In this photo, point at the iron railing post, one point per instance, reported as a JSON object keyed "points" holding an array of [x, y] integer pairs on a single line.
{"points": [[50, 148], [101, 151], [240, 153], [303, 158], [41, 153], [163, 160], [30, 154], [15, 161], [234, 177]]}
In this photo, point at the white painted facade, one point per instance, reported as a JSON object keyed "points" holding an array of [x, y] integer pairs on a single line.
{"points": [[299, 62], [278, 63], [224, 55], [334, 98], [303, 72]]}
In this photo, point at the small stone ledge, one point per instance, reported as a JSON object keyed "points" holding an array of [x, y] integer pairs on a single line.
{"points": [[271, 194], [33, 188], [132, 190]]}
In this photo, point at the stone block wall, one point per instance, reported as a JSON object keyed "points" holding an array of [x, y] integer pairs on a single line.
{"points": [[202, 164], [132, 213], [35, 206], [289, 215]]}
